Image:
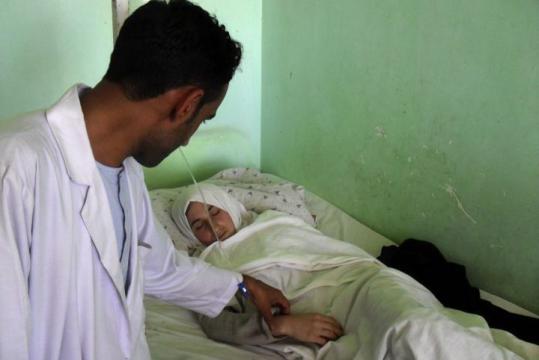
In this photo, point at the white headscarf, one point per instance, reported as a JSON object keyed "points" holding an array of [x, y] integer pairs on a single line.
{"points": [[213, 195]]}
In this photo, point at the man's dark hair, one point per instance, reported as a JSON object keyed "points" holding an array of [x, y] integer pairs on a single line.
{"points": [[163, 46]]}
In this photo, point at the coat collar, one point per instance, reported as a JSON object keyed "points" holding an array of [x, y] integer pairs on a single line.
{"points": [[66, 121]]}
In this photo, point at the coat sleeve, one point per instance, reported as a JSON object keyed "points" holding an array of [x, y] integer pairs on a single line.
{"points": [[15, 230], [173, 276], [239, 323]]}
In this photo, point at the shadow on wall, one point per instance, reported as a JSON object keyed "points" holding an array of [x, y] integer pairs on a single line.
{"points": [[208, 152]]}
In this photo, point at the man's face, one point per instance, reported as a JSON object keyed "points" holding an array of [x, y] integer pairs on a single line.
{"points": [[160, 142]]}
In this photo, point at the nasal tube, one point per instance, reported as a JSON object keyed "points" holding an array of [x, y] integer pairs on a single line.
{"points": [[204, 202]]}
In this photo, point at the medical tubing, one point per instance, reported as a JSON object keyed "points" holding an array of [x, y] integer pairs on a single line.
{"points": [[203, 198]]}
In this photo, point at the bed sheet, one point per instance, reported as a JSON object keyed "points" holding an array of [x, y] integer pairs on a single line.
{"points": [[174, 333]]}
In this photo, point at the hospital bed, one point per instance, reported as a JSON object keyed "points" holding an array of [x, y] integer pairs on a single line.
{"points": [[174, 333]]}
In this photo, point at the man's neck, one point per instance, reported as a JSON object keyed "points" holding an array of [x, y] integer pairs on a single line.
{"points": [[112, 123]]}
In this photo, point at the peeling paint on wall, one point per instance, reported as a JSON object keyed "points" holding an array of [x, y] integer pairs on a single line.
{"points": [[380, 132], [452, 192]]}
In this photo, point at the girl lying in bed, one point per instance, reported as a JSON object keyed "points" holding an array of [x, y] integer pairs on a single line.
{"points": [[240, 323], [384, 313]]}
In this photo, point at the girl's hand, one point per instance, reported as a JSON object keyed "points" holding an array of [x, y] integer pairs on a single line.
{"points": [[313, 328]]}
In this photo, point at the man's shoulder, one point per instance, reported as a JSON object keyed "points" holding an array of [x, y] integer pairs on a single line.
{"points": [[24, 126], [23, 139]]}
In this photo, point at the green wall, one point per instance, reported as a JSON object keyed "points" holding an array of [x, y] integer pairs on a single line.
{"points": [[418, 118], [47, 46]]}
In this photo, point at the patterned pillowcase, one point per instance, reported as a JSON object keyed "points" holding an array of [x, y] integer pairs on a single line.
{"points": [[259, 192]]}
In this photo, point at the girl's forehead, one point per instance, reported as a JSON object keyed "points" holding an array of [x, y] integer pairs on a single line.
{"points": [[195, 209], [194, 206]]}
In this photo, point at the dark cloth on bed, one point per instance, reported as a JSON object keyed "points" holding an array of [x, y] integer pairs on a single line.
{"points": [[448, 282]]}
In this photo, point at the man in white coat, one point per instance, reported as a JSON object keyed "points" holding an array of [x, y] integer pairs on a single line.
{"points": [[79, 244]]}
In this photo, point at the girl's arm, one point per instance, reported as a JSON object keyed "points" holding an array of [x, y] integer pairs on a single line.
{"points": [[311, 328], [240, 323]]}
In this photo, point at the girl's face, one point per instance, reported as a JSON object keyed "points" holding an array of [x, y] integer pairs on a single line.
{"points": [[200, 224]]}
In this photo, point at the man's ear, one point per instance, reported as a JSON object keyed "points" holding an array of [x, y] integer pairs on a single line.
{"points": [[187, 104]]}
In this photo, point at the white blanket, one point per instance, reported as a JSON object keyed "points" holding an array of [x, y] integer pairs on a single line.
{"points": [[385, 313]]}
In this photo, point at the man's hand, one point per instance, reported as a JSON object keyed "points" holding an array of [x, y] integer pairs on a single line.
{"points": [[313, 328], [264, 297]]}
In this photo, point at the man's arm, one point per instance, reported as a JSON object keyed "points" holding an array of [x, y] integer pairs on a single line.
{"points": [[240, 323], [194, 284], [266, 298], [15, 227], [173, 276]]}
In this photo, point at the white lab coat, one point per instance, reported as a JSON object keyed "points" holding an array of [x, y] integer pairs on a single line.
{"points": [[61, 286]]}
